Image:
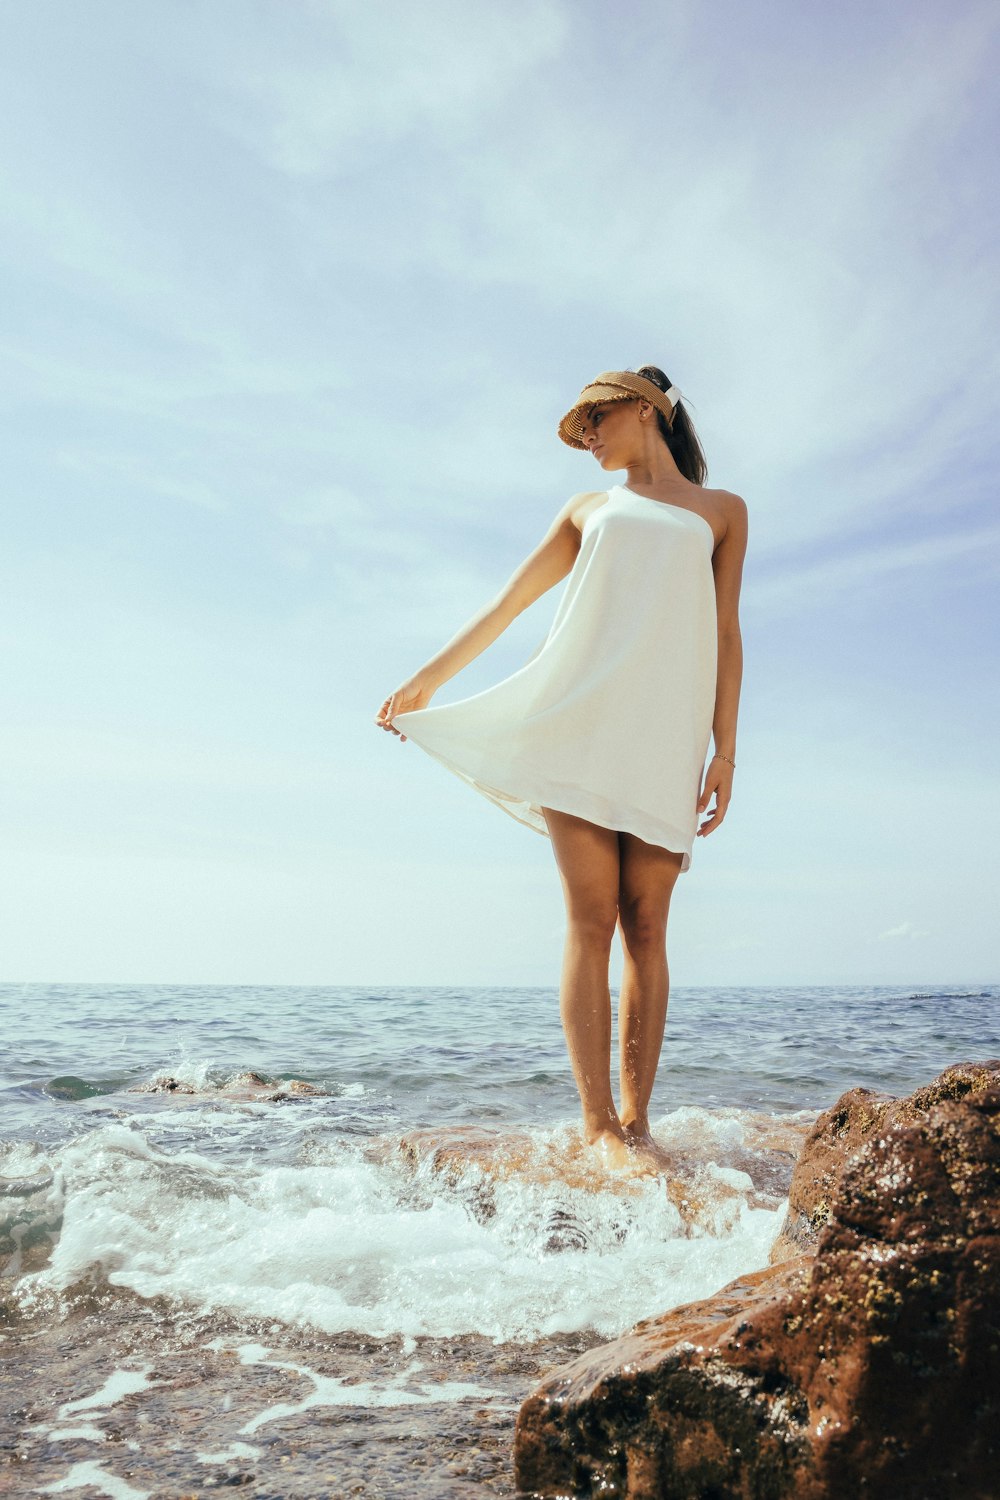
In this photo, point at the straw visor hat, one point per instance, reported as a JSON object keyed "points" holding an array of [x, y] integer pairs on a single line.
{"points": [[616, 385]]}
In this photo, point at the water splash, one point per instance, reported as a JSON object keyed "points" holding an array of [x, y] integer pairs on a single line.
{"points": [[514, 1236]]}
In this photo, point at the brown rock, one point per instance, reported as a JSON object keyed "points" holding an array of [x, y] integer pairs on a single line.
{"points": [[867, 1370], [243, 1087], [473, 1160], [658, 1412], [161, 1084], [451, 1149], [838, 1134]]}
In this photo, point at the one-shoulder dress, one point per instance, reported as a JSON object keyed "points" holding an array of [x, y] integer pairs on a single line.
{"points": [[611, 718]]}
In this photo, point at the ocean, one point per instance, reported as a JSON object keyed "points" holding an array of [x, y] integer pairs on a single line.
{"points": [[323, 1241]]}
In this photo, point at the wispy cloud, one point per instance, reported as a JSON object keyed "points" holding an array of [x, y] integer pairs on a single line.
{"points": [[904, 930], [323, 277], [876, 562], [327, 88], [134, 471]]}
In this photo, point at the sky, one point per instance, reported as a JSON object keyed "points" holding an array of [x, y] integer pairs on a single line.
{"points": [[293, 297]]}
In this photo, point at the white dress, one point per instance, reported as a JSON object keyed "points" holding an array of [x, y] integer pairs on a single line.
{"points": [[612, 717]]}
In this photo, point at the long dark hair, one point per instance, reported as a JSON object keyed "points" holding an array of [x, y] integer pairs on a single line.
{"points": [[681, 439]]}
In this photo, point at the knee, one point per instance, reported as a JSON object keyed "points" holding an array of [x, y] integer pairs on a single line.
{"points": [[593, 924], [644, 928]]}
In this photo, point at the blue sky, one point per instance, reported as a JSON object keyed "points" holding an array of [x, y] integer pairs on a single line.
{"points": [[294, 296]]}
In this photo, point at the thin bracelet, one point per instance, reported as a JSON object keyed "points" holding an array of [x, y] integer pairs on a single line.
{"points": [[719, 756]]}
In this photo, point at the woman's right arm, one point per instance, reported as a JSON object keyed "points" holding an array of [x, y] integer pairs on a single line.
{"points": [[550, 561]]}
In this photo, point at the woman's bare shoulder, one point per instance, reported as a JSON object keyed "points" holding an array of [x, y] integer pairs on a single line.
{"points": [[731, 509], [579, 507], [727, 499]]}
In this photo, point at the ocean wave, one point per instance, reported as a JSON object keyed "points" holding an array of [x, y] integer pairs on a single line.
{"points": [[513, 1236], [948, 995]]}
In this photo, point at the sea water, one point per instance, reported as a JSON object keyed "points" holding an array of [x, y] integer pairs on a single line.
{"points": [[369, 1203]]}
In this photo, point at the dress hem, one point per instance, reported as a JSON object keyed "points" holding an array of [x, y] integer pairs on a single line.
{"points": [[538, 791]]}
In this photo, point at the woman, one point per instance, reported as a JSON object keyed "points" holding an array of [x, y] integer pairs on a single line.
{"points": [[599, 741]]}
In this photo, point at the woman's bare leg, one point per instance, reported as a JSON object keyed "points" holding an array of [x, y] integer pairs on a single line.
{"points": [[648, 876], [588, 860]]}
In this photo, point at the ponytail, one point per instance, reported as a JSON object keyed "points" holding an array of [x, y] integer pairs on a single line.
{"points": [[678, 434]]}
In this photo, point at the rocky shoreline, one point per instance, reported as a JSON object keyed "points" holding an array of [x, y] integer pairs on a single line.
{"points": [[135, 1398], [862, 1362]]}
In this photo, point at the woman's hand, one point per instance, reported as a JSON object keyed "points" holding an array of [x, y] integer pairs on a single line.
{"points": [[415, 693], [718, 779]]}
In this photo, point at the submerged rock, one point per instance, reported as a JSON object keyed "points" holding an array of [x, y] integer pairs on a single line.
{"points": [[72, 1089], [162, 1085], [702, 1186], [556, 1195], [242, 1087], [865, 1369]]}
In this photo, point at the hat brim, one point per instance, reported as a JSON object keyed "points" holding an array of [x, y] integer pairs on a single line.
{"points": [[571, 426]]}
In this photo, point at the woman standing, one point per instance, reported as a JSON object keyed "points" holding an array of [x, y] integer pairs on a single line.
{"points": [[600, 740]]}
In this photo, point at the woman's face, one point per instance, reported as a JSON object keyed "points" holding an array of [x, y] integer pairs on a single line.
{"points": [[611, 431]]}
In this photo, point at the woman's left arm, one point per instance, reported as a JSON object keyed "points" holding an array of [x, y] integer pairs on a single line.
{"points": [[727, 565]]}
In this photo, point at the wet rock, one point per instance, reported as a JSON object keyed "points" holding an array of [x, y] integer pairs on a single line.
{"points": [[162, 1085], [471, 1161], [243, 1087], [564, 1231], [866, 1369], [631, 1417], [857, 1117], [312, 1432], [26, 1187], [451, 1150], [271, 1090], [73, 1089]]}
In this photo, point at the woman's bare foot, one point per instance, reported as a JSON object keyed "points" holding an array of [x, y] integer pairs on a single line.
{"points": [[618, 1153], [641, 1143], [611, 1149]]}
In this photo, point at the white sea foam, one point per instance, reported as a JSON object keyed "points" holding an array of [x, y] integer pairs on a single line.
{"points": [[195, 1072], [230, 1454], [90, 1474], [118, 1384], [352, 1240], [20, 1159], [403, 1388]]}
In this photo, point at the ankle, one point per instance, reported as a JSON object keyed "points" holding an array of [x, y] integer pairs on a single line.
{"points": [[594, 1127]]}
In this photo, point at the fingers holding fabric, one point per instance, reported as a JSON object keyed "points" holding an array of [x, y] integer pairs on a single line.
{"points": [[386, 714], [416, 693]]}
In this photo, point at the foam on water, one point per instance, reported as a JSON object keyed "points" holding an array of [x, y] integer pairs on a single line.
{"points": [[118, 1384], [92, 1475], [405, 1388], [89, 1472], [370, 1238], [227, 1456]]}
